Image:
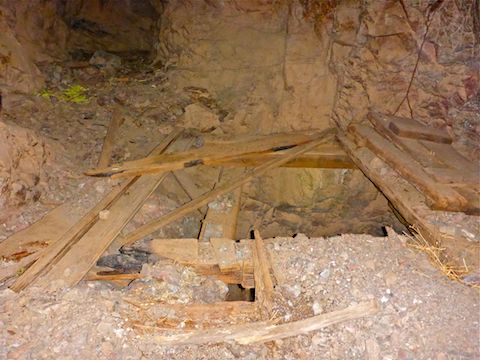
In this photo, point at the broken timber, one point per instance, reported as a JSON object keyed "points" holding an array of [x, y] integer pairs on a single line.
{"points": [[108, 143], [221, 218], [264, 288], [40, 234], [250, 153], [259, 332], [410, 203], [442, 197], [221, 190], [54, 257], [187, 252], [411, 128]]}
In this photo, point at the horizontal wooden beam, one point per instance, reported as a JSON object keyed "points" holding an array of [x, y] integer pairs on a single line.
{"points": [[326, 156]]}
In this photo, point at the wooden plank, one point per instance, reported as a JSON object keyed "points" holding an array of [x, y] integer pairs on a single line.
{"points": [[322, 157], [109, 142], [180, 250], [221, 218], [55, 251], [111, 276], [226, 254], [186, 183], [207, 155], [40, 234], [259, 332], [441, 196], [454, 176], [207, 197], [16, 268], [187, 252], [410, 203], [264, 289], [412, 146], [411, 128], [51, 255], [195, 316], [453, 159], [245, 247]]}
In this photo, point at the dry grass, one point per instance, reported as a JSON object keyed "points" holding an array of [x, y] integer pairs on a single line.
{"points": [[436, 256]]}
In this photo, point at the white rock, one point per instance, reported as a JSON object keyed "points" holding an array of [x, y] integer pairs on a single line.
{"points": [[199, 117], [317, 308]]}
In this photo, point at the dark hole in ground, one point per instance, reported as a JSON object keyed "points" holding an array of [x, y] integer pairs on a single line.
{"points": [[237, 292]]}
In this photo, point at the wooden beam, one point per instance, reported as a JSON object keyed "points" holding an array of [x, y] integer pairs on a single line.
{"points": [[221, 218], [207, 155], [40, 234], [413, 129], [412, 146], [187, 252], [323, 157], [442, 196], [259, 332], [207, 197], [410, 203], [52, 255], [195, 316], [225, 253], [109, 142], [264, 289]]}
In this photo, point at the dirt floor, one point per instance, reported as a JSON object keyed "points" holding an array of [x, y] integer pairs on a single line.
{"points": [[423, 315]]}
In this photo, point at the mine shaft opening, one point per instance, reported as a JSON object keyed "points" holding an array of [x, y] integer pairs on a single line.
{"points": [[175, 170]]}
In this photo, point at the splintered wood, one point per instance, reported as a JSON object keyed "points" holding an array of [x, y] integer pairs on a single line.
{"points": [[254, 150], [210, 258], [264, 287], [221, 218], [411, 204], [91, 249], [259, 332], [69, 259]]}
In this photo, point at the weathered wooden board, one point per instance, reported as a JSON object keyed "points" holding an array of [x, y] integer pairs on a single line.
{"points": [[410, 203], [259, 332], [180, 250], [40, 234], [264, 288], [109, 142], [82, 248], [226, 254], [201, 257], [411, 128], [441, 196], [207, 155], [412, 146]]}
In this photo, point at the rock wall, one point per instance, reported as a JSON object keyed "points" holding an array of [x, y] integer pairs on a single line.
{"points": [[376, 47], [258, 59], [111, 25], [22, 159]]}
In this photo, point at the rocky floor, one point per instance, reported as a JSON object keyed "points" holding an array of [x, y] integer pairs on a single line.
{"points": [[423, 314]]}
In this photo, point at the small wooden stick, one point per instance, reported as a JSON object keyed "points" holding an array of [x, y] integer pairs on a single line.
{"points": [[259, 332], [108, 143]]}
